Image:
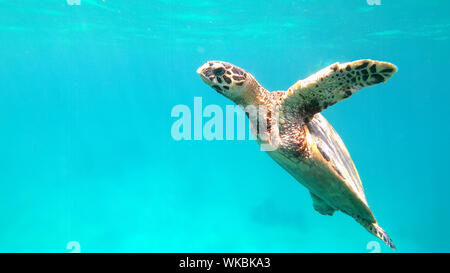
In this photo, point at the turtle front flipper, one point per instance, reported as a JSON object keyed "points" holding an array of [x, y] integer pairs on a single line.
{"points": [[333, 84], [320, 205]]}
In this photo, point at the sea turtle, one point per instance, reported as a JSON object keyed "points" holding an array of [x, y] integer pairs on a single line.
{"points": [[302, 140]]}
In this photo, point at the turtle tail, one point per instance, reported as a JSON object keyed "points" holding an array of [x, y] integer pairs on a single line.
{"points": [[376, 230]]}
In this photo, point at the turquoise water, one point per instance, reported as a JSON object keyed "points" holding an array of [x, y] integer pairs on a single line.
{"points": [[85, 113]]}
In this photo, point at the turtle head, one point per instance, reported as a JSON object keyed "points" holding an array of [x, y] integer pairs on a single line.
{"points": [[231, 81]]}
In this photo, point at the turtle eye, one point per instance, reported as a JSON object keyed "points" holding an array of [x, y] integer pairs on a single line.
{"points": [[219, 71]]}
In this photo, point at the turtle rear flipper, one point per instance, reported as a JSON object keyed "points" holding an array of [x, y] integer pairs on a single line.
{"points": [[335, 83], [376, 230], [320, 205]]}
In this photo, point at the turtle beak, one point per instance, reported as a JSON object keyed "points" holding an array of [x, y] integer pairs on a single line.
{"points": [[204, 72], [200, 69]]}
